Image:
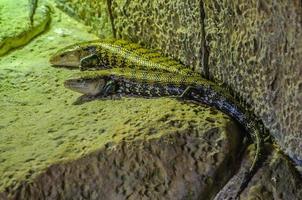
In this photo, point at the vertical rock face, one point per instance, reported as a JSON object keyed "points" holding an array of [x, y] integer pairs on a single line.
{"points": [[93, 13], [172, 26], [254, 47]]}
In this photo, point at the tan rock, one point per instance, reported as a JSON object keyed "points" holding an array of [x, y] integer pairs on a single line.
{"points": [[93, 13], [194, 162], [277, 178]]}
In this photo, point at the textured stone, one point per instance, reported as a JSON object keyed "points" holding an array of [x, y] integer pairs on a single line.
{"points": [[256, 48], [175, 27], [276, 179], [93, 13], [15, 27], [193, 163]]}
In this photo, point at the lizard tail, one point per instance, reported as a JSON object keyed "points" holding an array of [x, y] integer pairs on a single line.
{"points": [[255, 165]]}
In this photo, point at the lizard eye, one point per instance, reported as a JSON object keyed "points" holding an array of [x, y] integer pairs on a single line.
{"points": [[91, 60]]}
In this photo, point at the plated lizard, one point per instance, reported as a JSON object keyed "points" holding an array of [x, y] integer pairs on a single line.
{"points": [[138, 83], [117, 67], [112, 53]]}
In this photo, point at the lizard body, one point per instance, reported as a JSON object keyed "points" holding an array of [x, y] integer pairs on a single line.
{"points": [[113, 67], [138, 83], [104, 54]]}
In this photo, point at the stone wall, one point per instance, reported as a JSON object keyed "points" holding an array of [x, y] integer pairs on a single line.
{"points": [[253, 47], [256, 48], [172, 26], [94, 13]]}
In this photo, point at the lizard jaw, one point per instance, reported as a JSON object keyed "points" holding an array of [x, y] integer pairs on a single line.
{"points": [[86, 86]]}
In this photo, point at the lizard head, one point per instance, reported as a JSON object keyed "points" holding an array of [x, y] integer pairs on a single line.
{"points": [[93, 87], [86, 86], [71, 56], [66, 59]]}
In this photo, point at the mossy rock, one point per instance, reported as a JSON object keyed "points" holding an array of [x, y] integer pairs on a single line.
{"points": [[15, 27], [42, 133]]}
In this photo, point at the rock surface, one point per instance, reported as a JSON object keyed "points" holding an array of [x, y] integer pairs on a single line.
{"points": [[253, 47], [276, 179], [147, 164], [256, 48], [175, 27], [15, 28], [94, 13], [142, 147]]}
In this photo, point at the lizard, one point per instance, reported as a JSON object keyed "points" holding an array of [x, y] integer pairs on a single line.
{"points": [[121, 70], [109, 53], [142, 83]]}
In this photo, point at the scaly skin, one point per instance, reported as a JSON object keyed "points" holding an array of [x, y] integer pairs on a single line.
{"points": [[125, 68], [138, 83], [107, 54], [70, 56]]}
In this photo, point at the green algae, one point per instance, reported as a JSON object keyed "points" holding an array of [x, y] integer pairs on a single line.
{"points": [[28, 86], [15, 28], [39, 126]]}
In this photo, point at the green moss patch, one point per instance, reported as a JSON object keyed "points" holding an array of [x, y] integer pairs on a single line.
{"points": [[15, 28], [31, 115]]}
